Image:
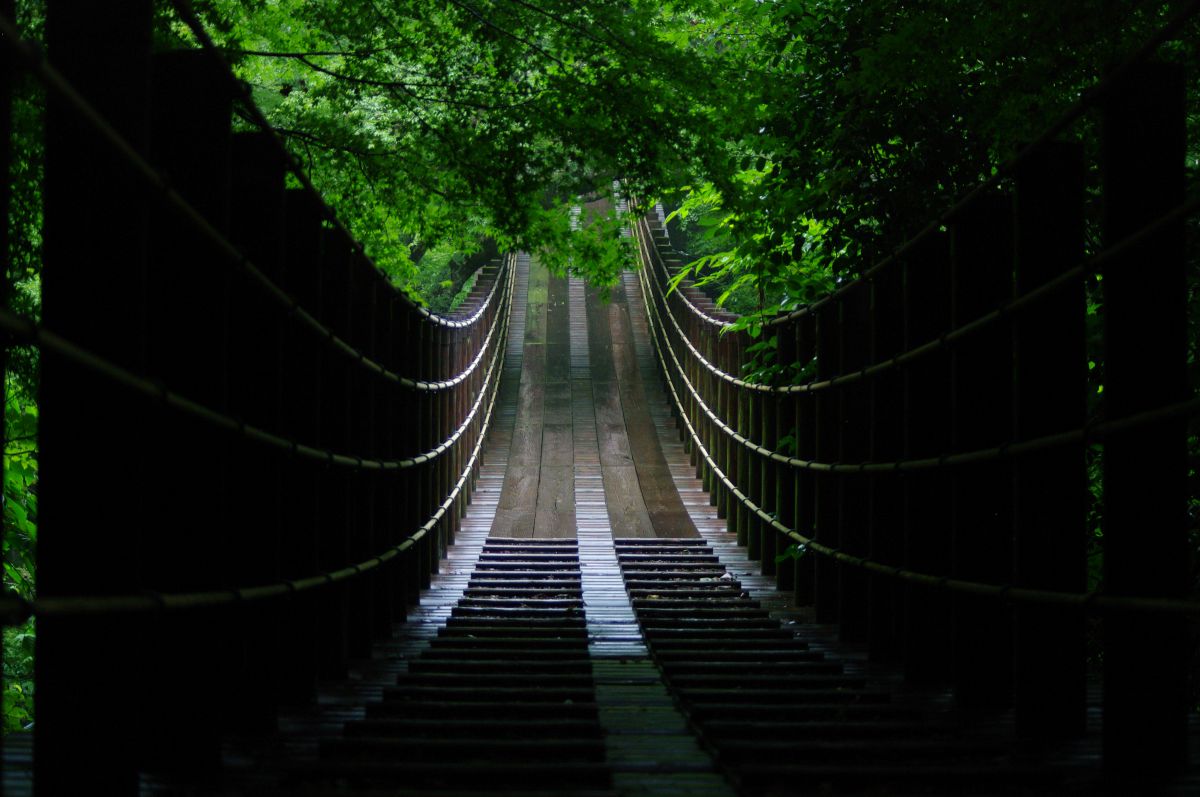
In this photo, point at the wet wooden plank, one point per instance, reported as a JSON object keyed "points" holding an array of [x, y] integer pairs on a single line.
{"points": [[664, 507], [610, 425], [556, 502], [558, 446], [516, 510], [627, 513], [526, 447]]}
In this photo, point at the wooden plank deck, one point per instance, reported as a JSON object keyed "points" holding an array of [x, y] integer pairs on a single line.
{"points": [[582, 411]]}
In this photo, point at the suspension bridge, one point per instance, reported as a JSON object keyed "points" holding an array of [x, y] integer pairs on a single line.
{"points": [[555, 544]]}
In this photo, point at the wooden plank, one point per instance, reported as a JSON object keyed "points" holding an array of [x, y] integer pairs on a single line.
{"points": [[558, 447], [610, 425], [555, 502], [517, 506], [664, 507], [627, 513]]}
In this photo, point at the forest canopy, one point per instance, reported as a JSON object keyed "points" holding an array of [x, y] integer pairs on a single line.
{"points": [[806, 137]]}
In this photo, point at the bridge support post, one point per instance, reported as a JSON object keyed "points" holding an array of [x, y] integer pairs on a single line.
{"points": [[768, 481], [1049, 487], [184, 477], [981, 417], [1145, 469], [885, 541], [340, 385], [806, 442], [853, 447], [255, 395], [825, 497], [91, 289], [927, 404], [302, 420], [787, 478]]}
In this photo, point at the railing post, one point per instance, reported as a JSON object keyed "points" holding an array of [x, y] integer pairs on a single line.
{"points": [[787, 478], [825, 497], [768, 497], [723, 451], [302, 421], [1050, 487], [885, 534], [255, 333], [853, 447], [1145, 469], [366, 435], [752, 485], [184, 477], [806, 448], [927, 404], [408, 440], [383, 531], [982, 251], [91, 290], [338, 383]]}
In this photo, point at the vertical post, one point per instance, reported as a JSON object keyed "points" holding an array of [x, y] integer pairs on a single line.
{"points": [[982, 246], [337, 383], [768, 498], [787, 477], [926, 516], [91, 291], [853, 447], [885, 536], [1050, 488], [407, 438], [806, 449], [752, 485], [184, 475], [1145, 469], [827, 422], [302, 422], [256, 227]]}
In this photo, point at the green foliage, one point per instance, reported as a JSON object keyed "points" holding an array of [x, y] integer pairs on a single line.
{"points": [[18, 677], [20, 493]]}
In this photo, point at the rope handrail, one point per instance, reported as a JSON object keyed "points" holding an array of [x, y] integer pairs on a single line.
{"points": [[33, 59], [1021, 303], [188, 16], [696, 311], [1086, 601], [30, 332], [1090, 432], [14, 610]]}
